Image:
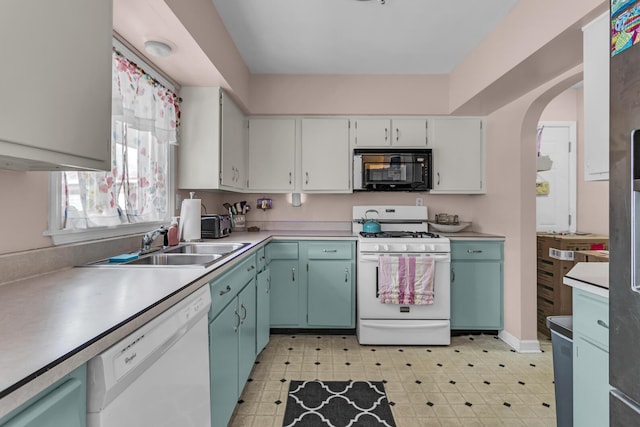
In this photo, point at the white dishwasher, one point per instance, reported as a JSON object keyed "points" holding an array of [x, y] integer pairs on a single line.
{"points": [[158, 375]]}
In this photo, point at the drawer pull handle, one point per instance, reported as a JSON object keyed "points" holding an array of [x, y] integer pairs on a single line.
{"points": [[453, 276], [251, 267], [603, 324], [330, 250], [474, 251], [293, 274], [226, 290], [346, 275]]}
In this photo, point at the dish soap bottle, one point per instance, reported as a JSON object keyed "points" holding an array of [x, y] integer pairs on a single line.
{"points": [[173, 232]]}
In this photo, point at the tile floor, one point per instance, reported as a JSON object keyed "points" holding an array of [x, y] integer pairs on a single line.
{"points": [[476, 381]]}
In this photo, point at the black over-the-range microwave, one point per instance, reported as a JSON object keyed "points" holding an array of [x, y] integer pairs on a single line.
{"points": [[392, 169]]}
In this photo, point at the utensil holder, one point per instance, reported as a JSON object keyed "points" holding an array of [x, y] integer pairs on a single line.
{"points": [[238, 223]]}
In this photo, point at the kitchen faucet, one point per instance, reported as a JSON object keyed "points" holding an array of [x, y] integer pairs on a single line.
{"points": [[152, 235]]}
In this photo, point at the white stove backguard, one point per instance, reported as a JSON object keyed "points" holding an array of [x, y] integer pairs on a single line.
{"points": [[392, 218]]}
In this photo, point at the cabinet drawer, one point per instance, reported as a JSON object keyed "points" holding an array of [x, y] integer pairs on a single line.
{"points": [[476, 250], [282, 250], [227, 286], [591, 317], [329, 250]]}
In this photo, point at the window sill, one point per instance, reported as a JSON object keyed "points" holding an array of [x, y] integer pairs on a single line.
{"points": [[62, 237]]}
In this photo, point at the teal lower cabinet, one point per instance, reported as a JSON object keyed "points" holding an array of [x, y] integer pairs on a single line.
{"points": [[232, 337], [312, 284], [282, 259], [331, 296], [590, 359], [223, 352], [62, 404], [477, 276], [263, 309]]}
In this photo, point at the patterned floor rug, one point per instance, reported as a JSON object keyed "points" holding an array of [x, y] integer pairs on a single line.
{"points": [[337, 404]]}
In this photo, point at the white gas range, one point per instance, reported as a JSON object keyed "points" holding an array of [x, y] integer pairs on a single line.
{"points": [[404, 233]]}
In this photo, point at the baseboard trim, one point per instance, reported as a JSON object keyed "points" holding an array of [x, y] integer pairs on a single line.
{"points": [[521, 346]]}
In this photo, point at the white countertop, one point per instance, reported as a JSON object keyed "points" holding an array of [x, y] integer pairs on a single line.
{"points": [[589, 276], [53, 323]]}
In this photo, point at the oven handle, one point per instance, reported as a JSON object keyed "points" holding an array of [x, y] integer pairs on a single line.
{"points": [[377, 284], [446, 257]]}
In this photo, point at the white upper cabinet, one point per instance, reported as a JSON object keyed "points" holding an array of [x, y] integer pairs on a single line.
{"points": [[56, 71], [234, 140], [385, 132], [213, 141], [325, 155], [596, 99], [272, 154], [458, 155], [409, 133], [199, 150]]}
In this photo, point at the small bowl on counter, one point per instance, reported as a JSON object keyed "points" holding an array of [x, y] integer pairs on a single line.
{"points": [[448, 228]]}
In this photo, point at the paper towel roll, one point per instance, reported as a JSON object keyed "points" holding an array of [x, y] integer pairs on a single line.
{"points": [[190, 220]]}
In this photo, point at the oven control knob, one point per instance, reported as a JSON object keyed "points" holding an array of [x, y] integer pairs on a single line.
{"points": [[384, 248]]}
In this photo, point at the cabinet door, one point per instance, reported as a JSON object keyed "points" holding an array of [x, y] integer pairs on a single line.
{"points": [[263, 320], [272, 154], [325, 147], [62, 404], [223, 368], [59, 84], [458, 155], [596, 99], [372, 133], [409, 133], [246, 333], [330, 297], [285, 293], [199, 150], [233, 138], [590, 384], [476, 295]]}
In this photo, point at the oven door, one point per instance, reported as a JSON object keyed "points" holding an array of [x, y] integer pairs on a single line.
{"points": [[369, 307]]}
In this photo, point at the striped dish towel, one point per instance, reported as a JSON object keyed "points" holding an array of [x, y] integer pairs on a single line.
{"points": [[405, 279]]}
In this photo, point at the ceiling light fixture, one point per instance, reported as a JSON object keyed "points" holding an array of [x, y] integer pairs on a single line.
{"points": [[157, 48]]}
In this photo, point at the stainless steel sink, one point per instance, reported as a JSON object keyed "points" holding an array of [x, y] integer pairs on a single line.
{"points": [[176, 259], [201, 254], [206, 248]]}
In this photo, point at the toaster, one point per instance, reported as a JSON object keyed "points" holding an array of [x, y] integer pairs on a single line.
{"points": [[215, 226]]}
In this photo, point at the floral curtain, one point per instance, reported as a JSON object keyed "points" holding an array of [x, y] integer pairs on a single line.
{"points": [[145, 116]]}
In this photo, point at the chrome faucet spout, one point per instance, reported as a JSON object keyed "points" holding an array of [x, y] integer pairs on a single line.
{"points": [[148, 238]]}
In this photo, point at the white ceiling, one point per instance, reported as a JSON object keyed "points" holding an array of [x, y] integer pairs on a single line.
{"points": [[358, 37]]}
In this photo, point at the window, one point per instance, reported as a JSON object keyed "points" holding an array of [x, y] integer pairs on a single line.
{"points": [[137, 190]]}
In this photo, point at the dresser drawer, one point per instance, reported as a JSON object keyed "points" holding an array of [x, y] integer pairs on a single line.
{"points": [[476, 250], [329, 250], [591, 317]]}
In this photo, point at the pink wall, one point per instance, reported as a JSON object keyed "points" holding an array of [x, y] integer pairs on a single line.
{"points": [[593, 196], [592, 199], [543, 33], [509, 205], [25, 212], [349, 94]]}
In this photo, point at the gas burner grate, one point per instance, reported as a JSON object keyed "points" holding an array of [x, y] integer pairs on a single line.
{"points": [[400, 234]]}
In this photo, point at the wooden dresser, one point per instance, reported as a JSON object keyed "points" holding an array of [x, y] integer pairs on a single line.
{"points": [[554, 298]]}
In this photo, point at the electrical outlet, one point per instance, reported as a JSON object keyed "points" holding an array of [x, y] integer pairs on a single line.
{"points": [[419, 201]]}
